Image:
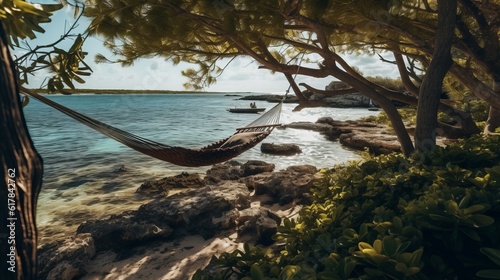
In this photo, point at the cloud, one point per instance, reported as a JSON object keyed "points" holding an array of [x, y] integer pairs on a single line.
{"points": [[241, 75]]}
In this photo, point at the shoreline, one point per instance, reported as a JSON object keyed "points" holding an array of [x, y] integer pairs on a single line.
{"points": [[173, 235], [349, 134], [132, 91]]}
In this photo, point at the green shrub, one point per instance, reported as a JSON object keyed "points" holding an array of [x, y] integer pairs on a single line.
{"points": [[433, 216], [408, 115]]}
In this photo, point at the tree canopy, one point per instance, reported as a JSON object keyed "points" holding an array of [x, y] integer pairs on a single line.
{"points": [[276, 33]]}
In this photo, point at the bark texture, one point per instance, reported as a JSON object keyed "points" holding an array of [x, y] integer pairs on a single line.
{"points": [[20, 177], [431, 88]]}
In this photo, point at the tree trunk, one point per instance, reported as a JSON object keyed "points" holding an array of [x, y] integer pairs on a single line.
{"points": [[20, 177], [431, 88], [385, 103], [493, 121]]}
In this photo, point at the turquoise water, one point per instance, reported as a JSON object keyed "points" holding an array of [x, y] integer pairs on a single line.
{"points": [[80, 181]]}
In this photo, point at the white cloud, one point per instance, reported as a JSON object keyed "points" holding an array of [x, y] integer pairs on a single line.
{"points": [[241, 75]]}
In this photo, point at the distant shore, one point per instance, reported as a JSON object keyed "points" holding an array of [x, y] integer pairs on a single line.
{"points": [[132, 91]]}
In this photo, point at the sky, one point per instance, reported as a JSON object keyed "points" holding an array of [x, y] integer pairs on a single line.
{"points": [[242, 74]]}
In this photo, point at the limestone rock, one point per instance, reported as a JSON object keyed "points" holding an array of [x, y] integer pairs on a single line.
{"points": [[229, 170], [194, 210], [253, 167], [120, 231], [280, 149], [284, 186], [66, 259], [259, 221]]}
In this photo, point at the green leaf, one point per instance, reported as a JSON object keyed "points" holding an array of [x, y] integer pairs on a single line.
{"points": [[349, 267], [377, 245], [30, 8], [289, 272], [440, 218], [390, 245], [492, 254], [474, 208], [471, 233], [489, 273], [481, 220], [67, 80], [52, 7], [77, 11], [401, 267], [256, 272], [495, 170], [363, 246], [397, 223], [465, 201], [77, 44], [416, 256]]}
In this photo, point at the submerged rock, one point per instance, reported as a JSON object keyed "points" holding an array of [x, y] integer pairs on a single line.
{"points": [[280, 149], [162, 186]]}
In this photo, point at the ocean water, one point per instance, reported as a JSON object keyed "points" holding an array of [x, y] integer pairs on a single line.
{"points": [[81, 180]]}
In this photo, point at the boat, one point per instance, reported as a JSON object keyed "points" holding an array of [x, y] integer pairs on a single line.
{"points": [[246, 110]]}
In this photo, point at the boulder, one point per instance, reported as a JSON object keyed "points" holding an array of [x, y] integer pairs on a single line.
{"points": [[376, 143], [253, 167], [194, 210], [201, 211], [327, 120], [229, 170], [284, 186], [259, 221], [65, 259], [280, 149], [122, 231], [162, 186]]}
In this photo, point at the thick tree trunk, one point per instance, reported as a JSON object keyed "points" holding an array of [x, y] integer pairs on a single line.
{"points": [[431, 88], [20, 177], [493, 121]]}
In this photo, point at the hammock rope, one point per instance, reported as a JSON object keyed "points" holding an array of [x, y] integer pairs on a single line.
{"points": [[242, 140]]}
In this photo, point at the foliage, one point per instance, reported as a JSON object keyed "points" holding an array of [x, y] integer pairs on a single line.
{"points": [[21, 21], [389, 83], [407, 114], [432, 216], [478, 109]]}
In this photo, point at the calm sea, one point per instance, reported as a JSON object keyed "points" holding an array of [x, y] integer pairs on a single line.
{"points": [[80, 178]]}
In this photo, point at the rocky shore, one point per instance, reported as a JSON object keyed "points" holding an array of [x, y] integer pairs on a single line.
{"points": [[189, 220], [357, 135], [190, 217]]}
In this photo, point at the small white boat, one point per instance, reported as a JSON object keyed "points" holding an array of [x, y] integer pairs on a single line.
{"points": [[246, 110]]}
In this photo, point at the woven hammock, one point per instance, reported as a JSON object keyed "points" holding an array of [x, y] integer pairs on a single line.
{"points": [[242, 140]]}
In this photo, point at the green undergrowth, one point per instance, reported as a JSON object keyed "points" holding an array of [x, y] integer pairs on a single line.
{"points": [[434, 216]]}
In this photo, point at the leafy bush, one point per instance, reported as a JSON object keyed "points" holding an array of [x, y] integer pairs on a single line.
{"points": [[432, 216], [408, 115]]}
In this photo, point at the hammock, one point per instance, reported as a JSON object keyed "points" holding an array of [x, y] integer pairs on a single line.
{"points": [[242, 140]]}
